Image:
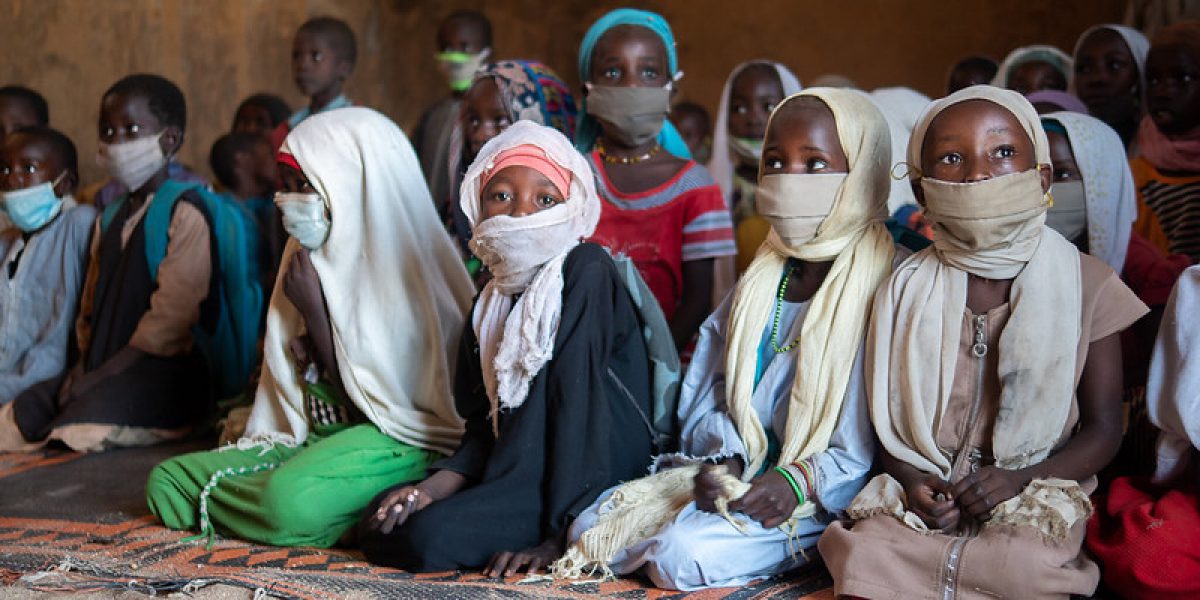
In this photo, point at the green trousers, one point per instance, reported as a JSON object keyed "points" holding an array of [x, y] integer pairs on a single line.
{"points": [[309, 495]]}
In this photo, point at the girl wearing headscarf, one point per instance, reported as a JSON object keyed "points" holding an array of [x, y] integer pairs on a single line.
{"points": [[1032, 68], [751, 92], [774, 395], [1110, 76], [553, 375], [501, 94], [355, 392], [659, 208], [1144, 532], [994, 378], [1167, 172]]}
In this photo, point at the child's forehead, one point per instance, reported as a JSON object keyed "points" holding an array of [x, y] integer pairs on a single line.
{"points": [[313, 38], [130, 107], [1173, 55], [24, 146], [619, 38], [756, 75], [11, 104], [973, 114], [1103, 39], [458, 29]]}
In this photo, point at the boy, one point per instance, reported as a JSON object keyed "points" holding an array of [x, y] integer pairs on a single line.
{"points": [[21, 107], [323, 56], [45, 255], [970, 71], [464, 42], [138, 380], [260, 114], [245, 167]]}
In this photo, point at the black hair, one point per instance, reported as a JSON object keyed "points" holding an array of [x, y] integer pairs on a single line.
{"points": [[692, 108], [163, 98], [58, 142], [277, 108], [35, 101], [978, 63], [473, 18], [222, 157], [337, 33]]}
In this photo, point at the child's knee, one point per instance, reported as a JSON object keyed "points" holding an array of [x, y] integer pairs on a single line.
{"points": [[672, 561], [170, 498]]}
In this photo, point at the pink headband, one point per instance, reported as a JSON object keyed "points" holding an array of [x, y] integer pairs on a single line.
{"points": [[528, 155], [285, 158]]}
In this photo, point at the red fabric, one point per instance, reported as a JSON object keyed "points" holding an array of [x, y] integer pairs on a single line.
{"points": [[528, 155], [1146, 540], [1149, 274]]}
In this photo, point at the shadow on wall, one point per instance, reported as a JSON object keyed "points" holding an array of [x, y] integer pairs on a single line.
{"points": [[219, 51]]}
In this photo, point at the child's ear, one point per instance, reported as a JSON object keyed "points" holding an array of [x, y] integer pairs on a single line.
{"points": [[345, 68], [68, 184], [918, 191], [171, 140], [1047, 175]]}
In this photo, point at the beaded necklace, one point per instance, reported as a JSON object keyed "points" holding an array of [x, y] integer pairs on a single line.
{"points": [[778, 311], [626, 160]]}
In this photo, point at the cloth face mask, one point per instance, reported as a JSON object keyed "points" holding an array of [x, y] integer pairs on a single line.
{"points": [[637, 113], [304, 217], [747, 150], [459, 67], [796, 204], [133, 163], [985, 215], [1068, 216], [32, 208]]}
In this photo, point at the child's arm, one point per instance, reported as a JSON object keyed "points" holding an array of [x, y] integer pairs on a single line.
{"points": [[1094, 444], [303, 288], [695, 302]]}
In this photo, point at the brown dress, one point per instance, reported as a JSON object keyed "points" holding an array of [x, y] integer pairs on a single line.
{"points": [[880, 557]]}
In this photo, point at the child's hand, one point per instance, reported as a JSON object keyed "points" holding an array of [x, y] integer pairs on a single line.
{"points": [[705, 487], [505, 564], [770, 500], [397, 506], [932, 499], [302, 286], [980, 492]]}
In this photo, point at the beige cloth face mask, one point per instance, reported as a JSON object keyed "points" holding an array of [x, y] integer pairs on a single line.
{"points": [[1069, 214], [796, 204]]}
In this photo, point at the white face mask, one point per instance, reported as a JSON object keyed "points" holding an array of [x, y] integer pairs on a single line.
{"points": [[133, 163], [459, 67], [304, 217], [797, 203], [1068, 216]]}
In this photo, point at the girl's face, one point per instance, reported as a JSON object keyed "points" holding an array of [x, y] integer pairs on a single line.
{"points": [[753, 95], [1062, 158], [1036, 75], [1106, 76], [294, 180], [976, 140], [630, 56], [1173, 88], [803, 139], [252, 119], [124, 118], [27, 160], [483, 114], [518, 191]]}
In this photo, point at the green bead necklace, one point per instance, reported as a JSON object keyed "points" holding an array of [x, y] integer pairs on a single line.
{"points": [[778, 311]]}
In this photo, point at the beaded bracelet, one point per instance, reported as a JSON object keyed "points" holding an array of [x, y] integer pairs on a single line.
{"points": [[787, 476], [807, 472]]}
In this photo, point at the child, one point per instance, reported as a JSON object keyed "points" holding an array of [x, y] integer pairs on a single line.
{"points": [[994, 373], [660, 209], [45, 256], [245, 166], [763, 391], [751, 92], [1032, 68], [370, 307], [553, 376], [970, 71], [464, 43], [502, 94], [323, 55], [1167, 174], [1144, 532], [1109, 76], [695, 127], [21, 107], [139, 379], [260, 114]]}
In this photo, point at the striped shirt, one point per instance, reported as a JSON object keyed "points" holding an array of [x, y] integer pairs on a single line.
{"points": [[1168, 209], [683, 219]]}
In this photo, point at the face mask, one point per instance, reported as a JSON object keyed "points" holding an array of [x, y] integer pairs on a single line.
{"points": [[304, 217], [1068, 216], [31, 208], [747, 150], [637, 113], [459, 67], [797, 204], [133, 163], [986, 215]]}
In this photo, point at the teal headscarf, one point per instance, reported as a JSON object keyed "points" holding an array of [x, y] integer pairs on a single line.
{"points": [[587, 129]]}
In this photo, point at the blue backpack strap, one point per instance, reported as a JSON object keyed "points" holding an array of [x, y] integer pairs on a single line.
{"points": [[110, 212], [158, 220]]}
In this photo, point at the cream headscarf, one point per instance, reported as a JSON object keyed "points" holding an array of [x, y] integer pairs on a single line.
{"points": [[1107, 185], [854, 237], [525, 256], [393, 282], [1135, 40], [1173, 390], [1048, 54], [901, 107]]}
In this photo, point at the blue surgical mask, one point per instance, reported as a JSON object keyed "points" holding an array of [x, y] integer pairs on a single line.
{"points": [[304, 217], [32, 208]]}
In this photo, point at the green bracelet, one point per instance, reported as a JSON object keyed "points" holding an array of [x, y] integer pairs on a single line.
{"points": [[792, 482]]}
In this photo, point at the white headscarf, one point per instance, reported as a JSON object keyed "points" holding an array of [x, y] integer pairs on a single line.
{"points": [[1138, 45], [393, 282], [1173, 390], [1057, 58], [901, 107], [525, 256], [1107, 185]]}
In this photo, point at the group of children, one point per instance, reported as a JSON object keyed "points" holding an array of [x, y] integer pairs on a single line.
{"points": [[467, 355]]}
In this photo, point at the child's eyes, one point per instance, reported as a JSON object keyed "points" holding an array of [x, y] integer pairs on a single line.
{"points": [[317, 56], [740, 109], [952, 158], [612, 73], [649, 73], [1063, 174], [817, 164], [547, 200], [769, 107], [501, 196], [1117, 65], [1005, 152], [773, 164]]}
